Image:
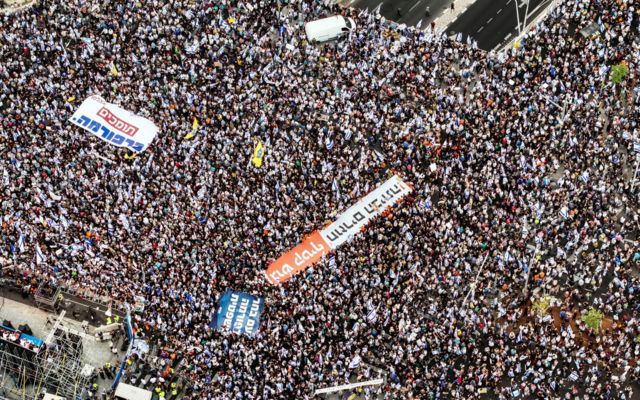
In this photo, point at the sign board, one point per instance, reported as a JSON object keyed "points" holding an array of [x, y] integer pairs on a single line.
{"points": [[348, 224], [238, 312], [113, 124]]}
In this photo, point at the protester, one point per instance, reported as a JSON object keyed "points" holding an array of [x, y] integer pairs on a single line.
{"points": [[522, 164]]}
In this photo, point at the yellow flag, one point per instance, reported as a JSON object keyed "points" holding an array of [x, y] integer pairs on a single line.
{"points": [[130, 157], [258, 154], [71, 99], [194, 128], [516, 45], [114, 70]]}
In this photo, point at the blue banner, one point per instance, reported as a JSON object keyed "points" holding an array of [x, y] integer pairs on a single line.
{"points": [[238, 312]]}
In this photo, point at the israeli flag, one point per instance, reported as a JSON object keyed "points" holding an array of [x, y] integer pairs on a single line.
{"points": [[328, 143], [546, 181], [539, 209], [525, 230], [379, 155], [193, 48], [40, 257], [336, 189], [427, 203], [5, 178], [409, 236], [21, 242], [189, 297], [523, 163], [347, 134], [372, 314], [124, 221], [507, 256], [584, 177], [636, 147], [573, 141], [355, 362], [332, 261], [64, 222], [564, 212]]}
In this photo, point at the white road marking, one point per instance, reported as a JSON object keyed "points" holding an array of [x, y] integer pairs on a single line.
{"points": [[416, 5], [535, 9], [508, 1], [508, 36], [481, 28], [499, 11], [489, 20], [377, 9], [522, 3]]}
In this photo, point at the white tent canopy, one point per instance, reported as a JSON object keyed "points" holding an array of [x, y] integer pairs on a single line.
{"points": [[128, 392], [48, 396]]}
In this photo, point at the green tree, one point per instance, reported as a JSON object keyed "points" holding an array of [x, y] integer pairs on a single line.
{"points": [[618, 73], [593, 318]]}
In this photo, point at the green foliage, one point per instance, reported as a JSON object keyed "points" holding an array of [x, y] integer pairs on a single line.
{"points": [[541, 306], [618, 73], [593, 318]]}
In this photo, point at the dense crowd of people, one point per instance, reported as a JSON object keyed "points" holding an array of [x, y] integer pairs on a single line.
{"points": [[522, 163]]}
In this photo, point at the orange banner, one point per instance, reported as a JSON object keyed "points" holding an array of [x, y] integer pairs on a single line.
{"points": [[301, 257]]}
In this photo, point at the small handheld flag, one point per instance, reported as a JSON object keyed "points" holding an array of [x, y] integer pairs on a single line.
{"points": [[194, 128], [114, 70], [258, 154]]}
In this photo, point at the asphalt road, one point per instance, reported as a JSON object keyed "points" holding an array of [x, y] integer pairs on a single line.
{"points": [[494, 22], [412, 12]]}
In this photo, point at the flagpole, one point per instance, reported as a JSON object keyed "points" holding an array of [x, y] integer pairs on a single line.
{"points": [[526, 283], [633, 181], [473, 284]]}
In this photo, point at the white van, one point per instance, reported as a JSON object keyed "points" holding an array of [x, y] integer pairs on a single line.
{"points": [[327, 29]]}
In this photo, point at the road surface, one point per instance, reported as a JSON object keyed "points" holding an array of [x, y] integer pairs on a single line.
{"points": [[412, 12], [494, 22]]}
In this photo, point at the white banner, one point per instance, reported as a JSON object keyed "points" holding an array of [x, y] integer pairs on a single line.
{"points": [[114, 124], [350, 222]]}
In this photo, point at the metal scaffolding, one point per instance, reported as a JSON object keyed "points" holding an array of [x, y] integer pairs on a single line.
{"points": [[55, 367]]}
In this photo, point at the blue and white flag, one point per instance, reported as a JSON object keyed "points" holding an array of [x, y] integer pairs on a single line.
{"points": [[5, 178], [21, 242], [636, 147], [40, 257], [332, 261], [584, 177], [238, 312], [336, 189], [328, 143], [372, 313], [193, 48], [507, 256], [379, 155], [564, 212]]}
